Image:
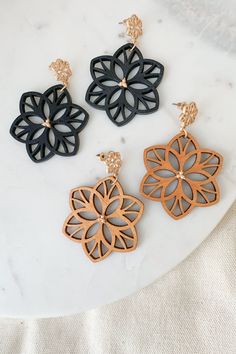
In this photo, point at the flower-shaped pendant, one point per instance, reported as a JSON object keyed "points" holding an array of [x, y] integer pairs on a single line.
{"points": [[103, 218], [124, 84], [181, 175], [49, 123]]}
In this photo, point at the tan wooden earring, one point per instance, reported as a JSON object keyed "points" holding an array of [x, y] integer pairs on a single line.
{"points": [[181, 175], [103, 218]]}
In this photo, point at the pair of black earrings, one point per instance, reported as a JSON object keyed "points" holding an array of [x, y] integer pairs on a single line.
{"points": [[124, 85]]}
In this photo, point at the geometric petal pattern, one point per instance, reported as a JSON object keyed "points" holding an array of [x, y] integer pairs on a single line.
{"points": [[181, 175], [49, 124], [124, 84], [103, 219]]}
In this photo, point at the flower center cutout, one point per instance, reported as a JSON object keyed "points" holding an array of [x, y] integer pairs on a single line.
{"points": [[123, 83], [180, 175], [47, 123]]}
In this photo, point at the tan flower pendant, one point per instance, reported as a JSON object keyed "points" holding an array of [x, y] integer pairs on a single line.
{"points": [[102, 217], [181, 175]]}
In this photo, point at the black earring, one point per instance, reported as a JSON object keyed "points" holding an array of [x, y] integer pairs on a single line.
{"points": [[125, 84], [49, 122]]}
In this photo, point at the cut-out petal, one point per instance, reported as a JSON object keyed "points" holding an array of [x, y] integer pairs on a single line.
{"points": [[177, 207], [97, 247], [151, 187], [64, 140], [82, 198], [153, 72], [125, 239], [30, 103], [147, 99], [37, 148], [109, 188], [96, 96], [183, 145], [207, 192], [119, 110], [104, 71], [77, 118], [73, 228], [128, 58], [22, 127], [208, 163], [158, 157], [57, 96], [127, 207]]}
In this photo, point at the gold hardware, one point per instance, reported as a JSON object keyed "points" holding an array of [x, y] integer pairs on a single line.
{"points": [[47, 123], [134, 28], [113, 162], [188, 115], [123, 83], [62, 70], [102, 219], [180, 175]]}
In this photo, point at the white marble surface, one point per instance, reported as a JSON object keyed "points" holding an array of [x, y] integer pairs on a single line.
{"points": [[42, 272]]}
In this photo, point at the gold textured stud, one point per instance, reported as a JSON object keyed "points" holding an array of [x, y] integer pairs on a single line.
{"points": [[181, 175], [134, 28], [103, 217], [62, 71]]}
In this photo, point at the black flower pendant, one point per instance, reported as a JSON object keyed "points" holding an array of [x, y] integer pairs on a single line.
{"points": [[49, 123], [124, 84]]}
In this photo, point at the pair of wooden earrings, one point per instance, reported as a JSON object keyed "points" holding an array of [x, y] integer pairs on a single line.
{"points": [[124, 84], [180, 175]]}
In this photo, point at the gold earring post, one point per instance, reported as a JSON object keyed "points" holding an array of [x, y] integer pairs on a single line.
{"points": [[134, 28], [62, 70], [113, 162], [188, 115]]}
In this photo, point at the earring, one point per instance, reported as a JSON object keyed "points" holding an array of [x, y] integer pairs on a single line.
{"points": [[125, 84], [103, 218], [181, 175], [49, 122]]}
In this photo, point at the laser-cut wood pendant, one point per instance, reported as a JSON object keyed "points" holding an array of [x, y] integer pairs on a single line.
{"points": [[103, 217], [49, 122], [125, 84], [181, 175]]}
